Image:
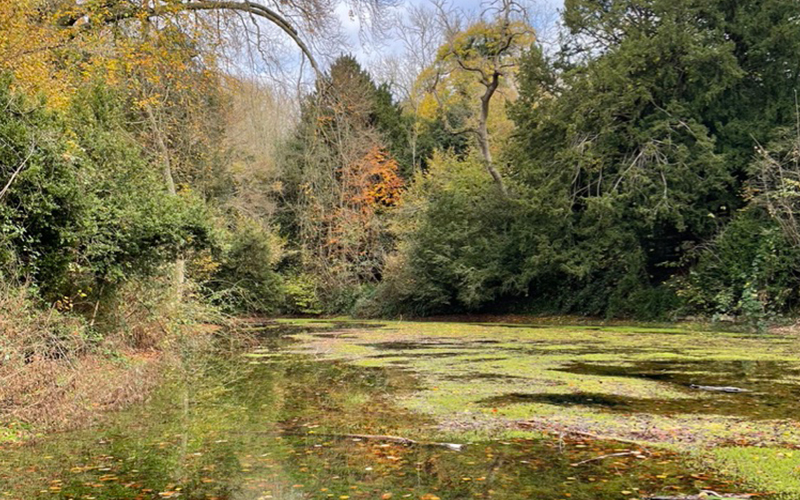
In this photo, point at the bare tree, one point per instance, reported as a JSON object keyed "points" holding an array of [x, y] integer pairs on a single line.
{"points": [[260, 119], [777, 185], [420, 34], [312, 25]]}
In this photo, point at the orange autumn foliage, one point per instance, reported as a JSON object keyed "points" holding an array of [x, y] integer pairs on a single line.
{"points": [[356, 229], [374, 181]]}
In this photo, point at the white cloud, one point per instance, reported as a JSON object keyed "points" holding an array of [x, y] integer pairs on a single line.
{"points": [[369, 52]]}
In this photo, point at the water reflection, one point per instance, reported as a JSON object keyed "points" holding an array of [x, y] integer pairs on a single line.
{"points": [[231, 429], [769, 395]]}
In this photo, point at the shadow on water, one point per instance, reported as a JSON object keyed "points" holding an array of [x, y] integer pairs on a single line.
{"points": [[274, 334], [770, 395], [725, 405], [276, 328], [438, 344], [442, 354], [485, 376], [227, 430]]}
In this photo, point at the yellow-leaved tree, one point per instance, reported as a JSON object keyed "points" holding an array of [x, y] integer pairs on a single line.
{"points": [[30, 47], [474, 71]]}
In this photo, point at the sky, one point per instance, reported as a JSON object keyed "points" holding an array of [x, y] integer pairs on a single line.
{"points": [[367, 53], [371, 55]]}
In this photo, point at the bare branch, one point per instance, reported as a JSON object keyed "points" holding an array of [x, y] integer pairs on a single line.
{"points": [[129, 11], [17, 171]]}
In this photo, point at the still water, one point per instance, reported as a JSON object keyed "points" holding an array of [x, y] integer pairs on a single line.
{"points": [[274, 425]]}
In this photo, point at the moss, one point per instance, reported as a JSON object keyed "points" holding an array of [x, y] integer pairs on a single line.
{"points": [[12, 433], [765, 469], [463, 368], [268, 425]]}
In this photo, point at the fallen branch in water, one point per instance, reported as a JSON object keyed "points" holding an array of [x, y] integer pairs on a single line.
{"points": [[588, 435], [714, 388], [703, 495], [610, 455], [598, 437], [377, 437]]}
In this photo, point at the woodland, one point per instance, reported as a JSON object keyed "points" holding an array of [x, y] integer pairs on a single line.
{"points": [[164, 162], [233, 232]]}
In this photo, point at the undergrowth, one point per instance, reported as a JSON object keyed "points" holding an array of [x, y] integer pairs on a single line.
{"points": [[61, 369]]}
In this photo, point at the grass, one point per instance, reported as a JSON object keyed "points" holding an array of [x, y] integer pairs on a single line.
{"points": [[630, 382]]}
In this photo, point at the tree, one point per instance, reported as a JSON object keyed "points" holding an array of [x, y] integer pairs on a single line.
{"points": [[421, 34], [620, 134], [28, 52], [307, 23], [776, 183], [451, 239], [485, 55], [85, 213], [339, 180], [258, 121], [636, 124]]}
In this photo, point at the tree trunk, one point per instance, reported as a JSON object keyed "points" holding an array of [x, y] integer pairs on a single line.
{"points": [[179, 273], [483, 133]]}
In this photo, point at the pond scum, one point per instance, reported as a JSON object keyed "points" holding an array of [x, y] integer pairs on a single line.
{"points": [[545, 413]]}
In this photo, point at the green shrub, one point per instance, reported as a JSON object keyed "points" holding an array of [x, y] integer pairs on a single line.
{"points": [[86, 212], [245, 279], [300, 295], [750, 269], [461, 244]]}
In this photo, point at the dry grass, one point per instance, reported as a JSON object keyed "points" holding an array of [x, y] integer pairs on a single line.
{"points": [[28, 332], [56, 373], [52, 394], [59, 372]]}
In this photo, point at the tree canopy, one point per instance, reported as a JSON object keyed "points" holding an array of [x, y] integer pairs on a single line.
{"points": [[645, 165]]}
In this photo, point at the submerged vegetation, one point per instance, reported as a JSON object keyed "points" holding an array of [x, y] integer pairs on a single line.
{"points": [[634, 384]]}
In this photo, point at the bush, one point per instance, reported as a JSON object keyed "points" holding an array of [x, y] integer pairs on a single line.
{"points": [[750, 269], [462, 245], [86, 213], [300, 295], [245, 279], [31, 332]]}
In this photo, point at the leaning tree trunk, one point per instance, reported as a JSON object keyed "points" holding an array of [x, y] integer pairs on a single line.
{"points": [[483, 133]]}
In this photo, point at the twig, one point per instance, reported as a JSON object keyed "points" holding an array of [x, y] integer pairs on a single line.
{"points": [[17, 171], [703, 495], [589, 435], [598, 437], [610, 455], [714, 388], [375, 437]]}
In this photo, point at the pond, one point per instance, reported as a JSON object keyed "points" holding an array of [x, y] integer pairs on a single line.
{"points": [[278, 424]]}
